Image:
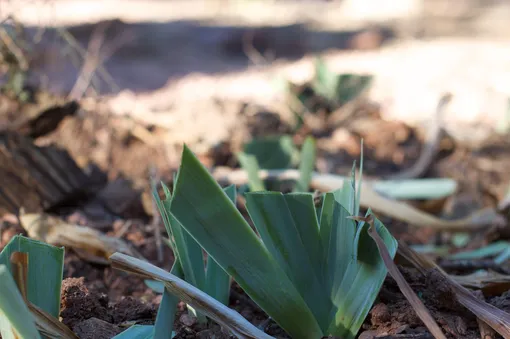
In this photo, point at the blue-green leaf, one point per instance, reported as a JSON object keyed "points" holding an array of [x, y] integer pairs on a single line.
{"points": [[139, 332], [250, 164], [165, 318], [304, 214], [207, 213], [14, 313], [217, 280], [187, 251], [337, 236], [306, 166], [275, 224], [273, 152], [362, 281], [45, 271]]}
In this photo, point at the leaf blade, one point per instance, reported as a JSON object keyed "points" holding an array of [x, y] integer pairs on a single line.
{"points": [[306, 165], [197, 203], [217, 280], [137, 332], [271, 215], [44, 260], [164, 324], [337, 235], [251, 166], [361, 283], [305, 217], [14, 313]]}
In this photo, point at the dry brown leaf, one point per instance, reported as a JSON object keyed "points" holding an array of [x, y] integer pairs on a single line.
{"points": [[406, 290], [490, 282], [55, 231], [370, 198], [48, 325], [492, 316]]}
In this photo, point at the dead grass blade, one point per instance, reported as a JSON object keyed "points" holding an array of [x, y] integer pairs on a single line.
{"points": [[191, 295], [486, 332], [490, 282], [492, 316], [406, 290], [370, 198], [48, 325], [91, 244]]}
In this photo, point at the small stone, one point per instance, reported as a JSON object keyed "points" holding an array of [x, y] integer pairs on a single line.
{"points": [[187, 320], [380, 314]]}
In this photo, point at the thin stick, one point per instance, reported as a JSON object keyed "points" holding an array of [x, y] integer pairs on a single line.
{"points": [[100, 68], [91, 62], [431, 145], [191, 295]]}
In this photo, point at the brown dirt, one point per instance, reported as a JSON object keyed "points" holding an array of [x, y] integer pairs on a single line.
{"points": [[394, 315], [88, 311], [78, 303], [94, 328], [95, 296]]}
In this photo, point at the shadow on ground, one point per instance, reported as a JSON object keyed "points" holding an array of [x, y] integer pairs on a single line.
{"points": [[144, 56]]}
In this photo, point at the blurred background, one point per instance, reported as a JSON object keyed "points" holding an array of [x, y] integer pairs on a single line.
{"points": [[121, 85], [97, 98]]}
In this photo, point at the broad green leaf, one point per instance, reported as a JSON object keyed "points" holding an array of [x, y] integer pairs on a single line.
{"points": [[165, 318], [231, 192], [346, 196], [273, 152], [416, 188], [303, 212], [43, 261], [362, 281], [337, 236], [306, 166], [217, 280], [186, 249], [251, 166], [207, 213], [275, 224], [14, 313]]}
